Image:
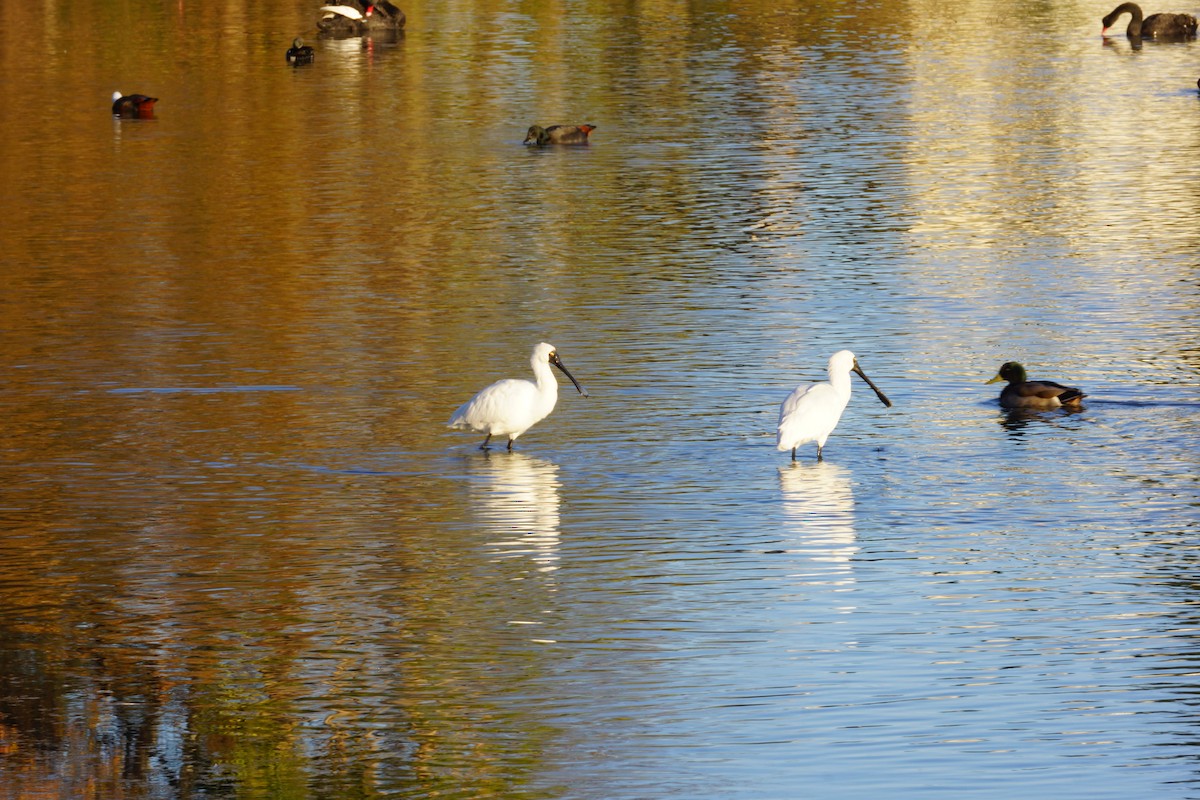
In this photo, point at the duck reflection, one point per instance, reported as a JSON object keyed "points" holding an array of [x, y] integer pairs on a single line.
{"points": [[519, 501], [1017, 420], [818, 506]]}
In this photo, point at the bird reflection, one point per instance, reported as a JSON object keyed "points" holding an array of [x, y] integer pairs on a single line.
{"points": [[519, 501], [818, 506], [1016, 420]]}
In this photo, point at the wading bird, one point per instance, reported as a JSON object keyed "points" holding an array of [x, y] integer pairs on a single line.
{"points": [[1043, 395], [812, 411], [510, 407]]}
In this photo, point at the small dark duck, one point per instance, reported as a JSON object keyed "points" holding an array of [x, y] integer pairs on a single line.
{"points": [[1039, 395], [133, 105], [558, 134], [299, 53]]}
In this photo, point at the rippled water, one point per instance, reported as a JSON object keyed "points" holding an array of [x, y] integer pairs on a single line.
{"points": [[242, 556]]}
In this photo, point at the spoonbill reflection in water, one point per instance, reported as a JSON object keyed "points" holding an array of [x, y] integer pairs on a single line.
{"points": [[517, 497], [511, 406], [812, 411], [818, 509]]}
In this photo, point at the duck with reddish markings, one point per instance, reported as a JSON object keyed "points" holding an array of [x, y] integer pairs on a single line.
{"points": [[558, 134], [133, 105]]}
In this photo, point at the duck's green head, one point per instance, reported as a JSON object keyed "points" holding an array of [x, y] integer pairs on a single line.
{"points": [[1011, 371]]}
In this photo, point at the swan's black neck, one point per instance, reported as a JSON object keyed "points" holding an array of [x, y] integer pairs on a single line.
{"points": [[1135, 23]]}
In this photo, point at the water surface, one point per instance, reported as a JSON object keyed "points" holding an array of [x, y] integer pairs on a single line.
{"points": [[242, 557]]}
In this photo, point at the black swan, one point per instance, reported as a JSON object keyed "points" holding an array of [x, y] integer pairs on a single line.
{"points": [[299, 53], [1044, 395], [133, 105], [346, 19], [558, 134], [341, 19], [1158, 26], [383, 16]]}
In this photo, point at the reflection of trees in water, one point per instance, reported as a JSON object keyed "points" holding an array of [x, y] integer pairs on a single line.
{"points": [[80, 720], [201, 657], [818, 509], [113, 686]]}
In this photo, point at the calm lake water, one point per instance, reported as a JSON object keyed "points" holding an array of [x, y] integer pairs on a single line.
{"points": [[242, 557]]}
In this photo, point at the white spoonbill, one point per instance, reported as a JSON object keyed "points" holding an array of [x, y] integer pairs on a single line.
{"points": [[812, 411], [510, 407]]}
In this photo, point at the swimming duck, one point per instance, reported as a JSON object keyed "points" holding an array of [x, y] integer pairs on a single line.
{"points": [[558, 134], [1043, 395], [1159, 26], [299, 53], [133, 105]]}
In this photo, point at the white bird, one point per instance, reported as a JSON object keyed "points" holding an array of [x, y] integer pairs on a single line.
{"points": [[510, 407], [812, 411]]}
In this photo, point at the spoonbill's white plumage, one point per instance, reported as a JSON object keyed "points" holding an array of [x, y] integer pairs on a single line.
{"points": [[511, 406], [811, 412]]}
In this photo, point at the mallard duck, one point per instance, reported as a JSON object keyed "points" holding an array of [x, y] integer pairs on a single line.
{"points": [[299, 53], [133, 105], [1043, 395], [812, 410], [558, 134], [1157, 26]]}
